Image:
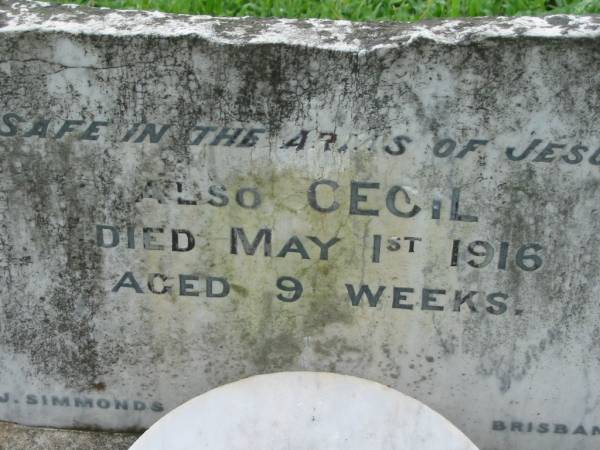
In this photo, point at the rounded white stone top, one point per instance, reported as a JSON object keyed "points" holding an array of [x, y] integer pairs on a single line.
{"points": [[303, 411]]}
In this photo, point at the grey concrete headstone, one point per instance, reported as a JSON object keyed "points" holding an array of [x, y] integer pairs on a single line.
{"points": [[187, 201]]}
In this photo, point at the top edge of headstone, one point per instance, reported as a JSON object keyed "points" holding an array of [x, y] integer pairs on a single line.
{"points": [[338, 35]]}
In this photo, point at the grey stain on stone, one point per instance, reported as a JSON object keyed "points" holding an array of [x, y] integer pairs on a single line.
{"points": [[17, 437]]}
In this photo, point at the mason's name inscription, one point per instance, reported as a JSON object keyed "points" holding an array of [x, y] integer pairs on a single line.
{"points": [[82, 401]]}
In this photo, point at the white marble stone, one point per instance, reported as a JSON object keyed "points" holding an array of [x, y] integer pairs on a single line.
{"points": [[303, 411]]}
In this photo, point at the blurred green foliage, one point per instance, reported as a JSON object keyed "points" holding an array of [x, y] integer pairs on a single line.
{"points": [[403, 10]]}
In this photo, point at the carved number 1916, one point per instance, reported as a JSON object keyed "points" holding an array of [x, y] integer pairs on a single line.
{"points": [[526, 258]]}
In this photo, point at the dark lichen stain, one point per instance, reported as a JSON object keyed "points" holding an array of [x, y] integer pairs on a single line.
{"points": [[99, 386], [57, 332], [558, 20], [238, 289], [276, 351], [324, 311]]}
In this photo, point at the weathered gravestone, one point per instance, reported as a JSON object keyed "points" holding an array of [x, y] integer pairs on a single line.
{"points": [[188, 201]]}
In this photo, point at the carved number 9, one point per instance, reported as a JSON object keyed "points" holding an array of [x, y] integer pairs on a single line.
{"points": [[487, 253], [291, 285]]}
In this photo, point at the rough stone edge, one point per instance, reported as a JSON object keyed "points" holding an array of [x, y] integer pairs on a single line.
{"points": [[19, 437], [24, 16]]}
